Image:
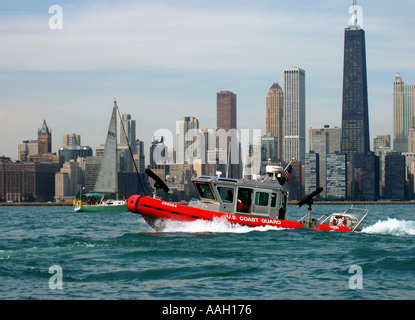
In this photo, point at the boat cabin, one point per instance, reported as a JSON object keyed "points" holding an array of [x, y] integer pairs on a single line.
{"points": [[263, 198]]}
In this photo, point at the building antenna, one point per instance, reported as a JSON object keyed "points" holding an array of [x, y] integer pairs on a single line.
{"points": [[354, 12]]}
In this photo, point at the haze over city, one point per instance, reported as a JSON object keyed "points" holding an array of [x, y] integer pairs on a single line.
{"points": [[163, 60]]}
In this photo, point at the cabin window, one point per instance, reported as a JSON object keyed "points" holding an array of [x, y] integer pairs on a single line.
{"points": [[244, 200], [283, 203], [205, 191], [273, 199], [261, 198], [226, 194]]}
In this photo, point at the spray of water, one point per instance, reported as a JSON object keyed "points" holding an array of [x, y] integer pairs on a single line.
{"points": [[218, 225], [392, 226]]}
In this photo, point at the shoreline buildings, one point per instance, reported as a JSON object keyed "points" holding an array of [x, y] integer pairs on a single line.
{"points": [[338, 159], [33, 177]]}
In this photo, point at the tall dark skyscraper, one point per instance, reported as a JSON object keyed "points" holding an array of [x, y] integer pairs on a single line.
{"points": [[226, 110], [228, 143], [355, 118]]}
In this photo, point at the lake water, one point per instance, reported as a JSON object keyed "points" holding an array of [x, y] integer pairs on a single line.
{"points": [[55, 253]]}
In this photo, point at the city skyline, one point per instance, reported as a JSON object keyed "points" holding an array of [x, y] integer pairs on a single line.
{"points": [[163, 61]]}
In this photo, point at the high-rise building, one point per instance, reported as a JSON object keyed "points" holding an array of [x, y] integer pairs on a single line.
{"points": [[68, 181], [395, 176], [27, 181], [44, 139], [226, 110], [336, 176], [366, 177], [355, 118], [159, 151], [226, 124], [381, 141], [92, 166], [381, 147], [294, 114], [324, 141], [403, 113], [274, 115], [312, 172], [186, 132], [139, 157], [269, 148], [71, 140], [127, 131], [127, 143], [28, 148], [72, 148], [333, 138], [411, 140], [75, 152]]}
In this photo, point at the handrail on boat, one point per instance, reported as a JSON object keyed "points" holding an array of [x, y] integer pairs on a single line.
{"points": [[327, 216]]}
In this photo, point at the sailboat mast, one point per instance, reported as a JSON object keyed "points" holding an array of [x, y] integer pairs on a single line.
{"points": [[116, 155]]}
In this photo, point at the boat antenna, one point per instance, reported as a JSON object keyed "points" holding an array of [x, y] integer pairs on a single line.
{"points": [[129, 148]]}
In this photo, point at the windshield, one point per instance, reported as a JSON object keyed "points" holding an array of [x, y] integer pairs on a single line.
{"points": [[226, 194], [205, 191]]}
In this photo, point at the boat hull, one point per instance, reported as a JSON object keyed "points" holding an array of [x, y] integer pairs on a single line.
{"points": [[155, 209], [101, 208]]}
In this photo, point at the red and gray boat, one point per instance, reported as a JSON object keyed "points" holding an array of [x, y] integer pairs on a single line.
{"points": [[243, 202]]}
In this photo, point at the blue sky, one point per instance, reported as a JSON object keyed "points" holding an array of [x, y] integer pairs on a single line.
{"points": [[163, 60]]}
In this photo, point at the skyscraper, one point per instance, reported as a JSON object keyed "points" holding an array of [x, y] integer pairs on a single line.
{"points": [[294, 114], [395, 176], [44, 135], [226, 120], [71, 140], [185, 147], [226, 110], [126, 143], [324, 141], [312, 172], [403, 113], [355, 118], [336, 176], [274, 115], [127, 131]]}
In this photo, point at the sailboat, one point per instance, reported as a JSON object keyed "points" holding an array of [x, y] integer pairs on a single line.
{"points": [[107, 180]]}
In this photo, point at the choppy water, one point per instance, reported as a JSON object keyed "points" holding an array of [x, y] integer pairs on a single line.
{"points": [[118, 256]]}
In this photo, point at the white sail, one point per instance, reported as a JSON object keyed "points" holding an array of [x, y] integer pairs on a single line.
{"points": [[107, 180]]}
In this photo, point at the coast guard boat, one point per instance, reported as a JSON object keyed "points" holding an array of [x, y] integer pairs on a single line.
{"points": [[249, 203]]}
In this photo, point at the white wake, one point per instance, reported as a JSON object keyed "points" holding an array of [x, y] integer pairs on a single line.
{"points": [[392, 226], [217, 225]]}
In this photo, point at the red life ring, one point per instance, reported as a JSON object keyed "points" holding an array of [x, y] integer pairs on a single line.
{"points": [[339, 221]]}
